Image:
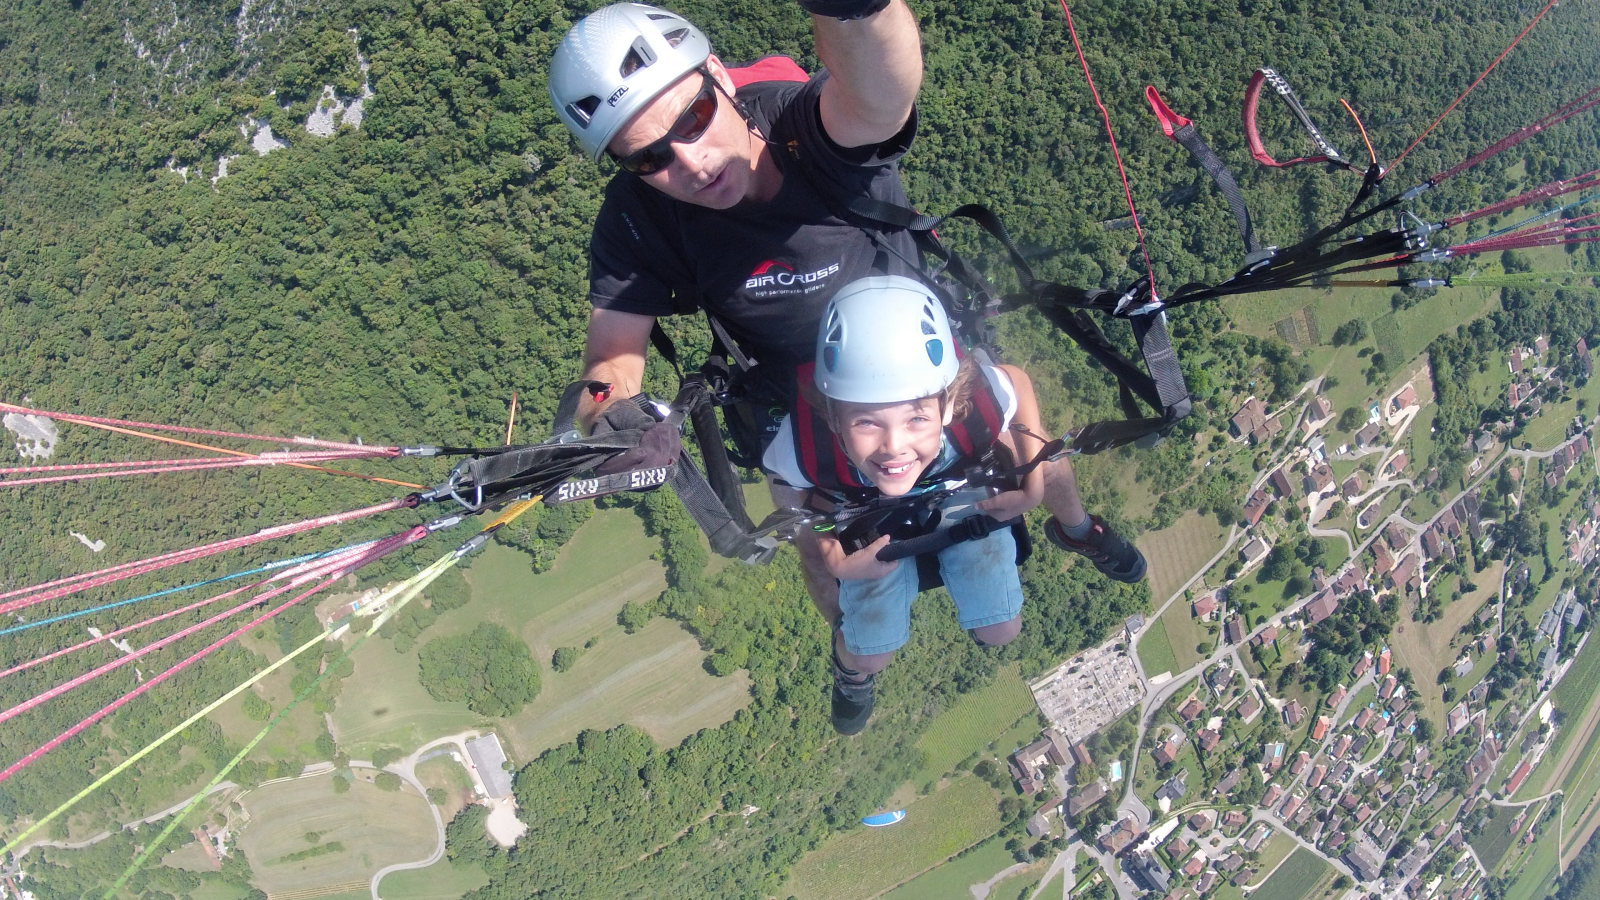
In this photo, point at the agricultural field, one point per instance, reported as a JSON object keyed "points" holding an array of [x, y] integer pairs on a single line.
{"points": [[866, 861], [972, 723], [1155, 649], [374, 828], [954, 879], [1538, 872], [1185, 634], [1576, 698], [1178, 552], [440, 881], [653, 679], [1301, 876], [1275, 851]]}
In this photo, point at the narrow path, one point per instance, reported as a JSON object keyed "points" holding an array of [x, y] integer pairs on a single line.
{"points": [[407, 770]]}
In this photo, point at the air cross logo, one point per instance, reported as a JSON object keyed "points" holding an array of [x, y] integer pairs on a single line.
{"points": [[773, 278]]}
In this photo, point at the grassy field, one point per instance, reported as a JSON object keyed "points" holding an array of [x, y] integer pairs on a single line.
{"points": [[1020, 885], [1300, 876], [1495, 839], [1538, 872], [653, 679], [440, 881], [1185, 633], [954, 879], [866, 861], [1425, 648], [1178, 552], [1155, 649], [376, 828], [295, 735], [972, 722], [1274, 851], [448, 775]]}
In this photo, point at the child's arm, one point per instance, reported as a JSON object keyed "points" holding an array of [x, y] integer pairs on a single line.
{"points": [[862, 565], [1015, 503]]}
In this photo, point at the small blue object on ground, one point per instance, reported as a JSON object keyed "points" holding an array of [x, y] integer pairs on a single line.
{"points": [[882, 819]]}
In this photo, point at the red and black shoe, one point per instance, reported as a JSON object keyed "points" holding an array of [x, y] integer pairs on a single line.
{"points": [[1114, 555]]}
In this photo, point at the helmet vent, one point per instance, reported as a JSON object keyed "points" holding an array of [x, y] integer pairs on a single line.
{"points": [[639, 56], [583, 110], [936, 351], [658, 17], [676, 36], [927, 327]]}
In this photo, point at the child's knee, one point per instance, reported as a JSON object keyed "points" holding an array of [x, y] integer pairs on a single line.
{"points": [[872, 663], [998, 634]]}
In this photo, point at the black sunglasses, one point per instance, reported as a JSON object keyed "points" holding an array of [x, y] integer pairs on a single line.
{"points": [[689, 127]]}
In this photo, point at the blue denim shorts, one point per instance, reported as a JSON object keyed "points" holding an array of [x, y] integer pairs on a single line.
{"points": [[981, 577]]}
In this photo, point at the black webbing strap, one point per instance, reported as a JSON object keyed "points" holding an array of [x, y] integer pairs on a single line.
{"points": [[1187, 134], [1160, 383], [971, 528]]}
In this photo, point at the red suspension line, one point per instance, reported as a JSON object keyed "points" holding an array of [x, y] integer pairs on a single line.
{"points": [[62, 587], [1105, 115], [1454, 103], [1553, 189], [378, 550], [1582, 104]]}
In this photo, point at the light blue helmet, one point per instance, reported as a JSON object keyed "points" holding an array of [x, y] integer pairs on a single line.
{"points": [[884, 339], [614, 62]]}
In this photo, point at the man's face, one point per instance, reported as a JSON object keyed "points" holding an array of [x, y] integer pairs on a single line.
{"points": [[714, 171]]}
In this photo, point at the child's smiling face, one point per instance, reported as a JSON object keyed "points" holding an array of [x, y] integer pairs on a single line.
{"points": [[890, 443]]}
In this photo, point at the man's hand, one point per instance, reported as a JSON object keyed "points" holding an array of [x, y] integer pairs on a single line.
{"points": [[613, 353], [862, 565], [659, 447]]}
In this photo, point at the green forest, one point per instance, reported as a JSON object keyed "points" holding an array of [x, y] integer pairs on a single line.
{"points": [[397, 282]]}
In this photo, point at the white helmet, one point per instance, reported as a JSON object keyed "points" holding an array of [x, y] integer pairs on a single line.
{"points": [[884, 339], [614, 62]]}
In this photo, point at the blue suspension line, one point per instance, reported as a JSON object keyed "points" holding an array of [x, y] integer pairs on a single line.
{"points": [[187, 587]]}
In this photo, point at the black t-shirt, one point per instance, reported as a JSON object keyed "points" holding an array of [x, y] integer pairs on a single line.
{"points": [[765, 270]]}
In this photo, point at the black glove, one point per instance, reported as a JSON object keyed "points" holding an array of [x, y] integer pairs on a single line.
{"points": [[659, 446], [844, 10]]}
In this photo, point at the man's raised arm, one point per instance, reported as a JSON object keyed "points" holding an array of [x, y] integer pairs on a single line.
{"points": [[875, 64], [614, 354]]}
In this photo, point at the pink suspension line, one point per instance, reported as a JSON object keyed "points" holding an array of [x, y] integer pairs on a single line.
{"points": [[303, 568], [1583, 104], [72, 584], [159, 466], [205, 432], [378, 550], [310, 572]]}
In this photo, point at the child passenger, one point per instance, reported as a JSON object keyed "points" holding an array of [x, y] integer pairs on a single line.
{"points": [[889, 409]]}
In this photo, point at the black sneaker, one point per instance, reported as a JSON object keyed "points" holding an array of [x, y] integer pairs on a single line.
{"points": [[1111, 553], [852, 699]]}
